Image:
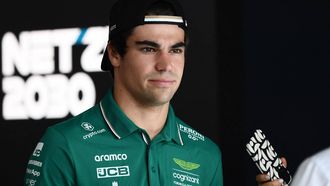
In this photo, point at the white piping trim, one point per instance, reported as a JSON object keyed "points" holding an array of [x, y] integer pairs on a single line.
{"points": [[177, 125], [144, 138], [170, 19], [108, 122]]}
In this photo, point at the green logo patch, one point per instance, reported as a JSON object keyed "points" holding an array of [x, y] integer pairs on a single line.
{"points": [[185, 164]]}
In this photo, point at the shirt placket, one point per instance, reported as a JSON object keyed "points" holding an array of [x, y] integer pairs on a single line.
{"points": [[152, 160]]}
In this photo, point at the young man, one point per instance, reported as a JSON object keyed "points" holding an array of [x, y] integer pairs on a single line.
{"points": [[132, 137]]}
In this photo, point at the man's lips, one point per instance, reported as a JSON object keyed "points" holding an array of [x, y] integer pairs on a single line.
{"points": [[162, 82]]}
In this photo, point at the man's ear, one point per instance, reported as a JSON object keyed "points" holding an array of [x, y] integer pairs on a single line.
{"points": [[113, 55]]}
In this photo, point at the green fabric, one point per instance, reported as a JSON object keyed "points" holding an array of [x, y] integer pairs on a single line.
{"points": [[103, 147]]}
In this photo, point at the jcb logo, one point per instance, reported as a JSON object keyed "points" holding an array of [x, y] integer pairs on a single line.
{"points": [[108, 172]]}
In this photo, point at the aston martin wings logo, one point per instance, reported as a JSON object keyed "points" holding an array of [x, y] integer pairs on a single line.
{"points": [[186, 165]]}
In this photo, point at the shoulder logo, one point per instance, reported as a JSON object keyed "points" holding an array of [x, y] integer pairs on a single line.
{"points": [[38, 149], [192, 134], [87, 126], [185, 164], [90, 129]]}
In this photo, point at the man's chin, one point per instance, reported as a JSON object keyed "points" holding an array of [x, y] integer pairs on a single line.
{"points": [[161, 100]]}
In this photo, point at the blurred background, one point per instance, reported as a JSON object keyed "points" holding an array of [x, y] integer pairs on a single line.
{"points": [[251, 64]]}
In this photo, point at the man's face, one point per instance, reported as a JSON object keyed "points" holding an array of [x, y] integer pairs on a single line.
{"points": [[151, 70]]}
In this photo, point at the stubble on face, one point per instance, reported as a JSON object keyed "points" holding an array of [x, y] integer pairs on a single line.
{"points": [[152, 68], [160, 88]]}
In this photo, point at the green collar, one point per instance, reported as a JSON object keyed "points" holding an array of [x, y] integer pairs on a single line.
{"points": [[121, 126]]}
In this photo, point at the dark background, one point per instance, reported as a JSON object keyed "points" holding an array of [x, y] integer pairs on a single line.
{"points": [[251, 64]]}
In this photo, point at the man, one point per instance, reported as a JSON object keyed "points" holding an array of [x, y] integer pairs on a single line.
{"points": [[132, 137], [314, 170]]}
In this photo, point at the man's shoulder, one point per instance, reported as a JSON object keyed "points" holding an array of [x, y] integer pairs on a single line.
{"points": [[192, 137], [85, 121]]}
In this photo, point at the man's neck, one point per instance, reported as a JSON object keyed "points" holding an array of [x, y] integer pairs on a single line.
{"points": [[150, 118]]}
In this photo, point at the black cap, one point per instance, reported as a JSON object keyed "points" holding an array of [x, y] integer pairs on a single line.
{"points": [[127, 14]]}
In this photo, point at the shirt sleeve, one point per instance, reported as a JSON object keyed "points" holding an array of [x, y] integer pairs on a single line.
{"points": [[50, 163], [309, 173], [218, 177]]}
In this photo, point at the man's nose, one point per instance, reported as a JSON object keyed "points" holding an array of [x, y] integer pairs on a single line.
{"points": [[164, 61]]}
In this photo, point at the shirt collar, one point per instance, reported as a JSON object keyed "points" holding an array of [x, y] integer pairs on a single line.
{"points": [[121, 126], [171, 129]]}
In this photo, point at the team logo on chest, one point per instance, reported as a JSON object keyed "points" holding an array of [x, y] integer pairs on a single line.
{"points": [[185, 177], [186, 165], [112, 171]]}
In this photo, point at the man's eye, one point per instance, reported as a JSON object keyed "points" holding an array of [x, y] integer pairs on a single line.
{"points": [[148, 49], [177, 50]]}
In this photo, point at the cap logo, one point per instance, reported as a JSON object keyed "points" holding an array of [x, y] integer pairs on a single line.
{"points": [[162, 18]]}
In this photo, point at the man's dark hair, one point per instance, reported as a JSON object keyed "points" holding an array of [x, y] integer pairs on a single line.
{"points": [[119, 44]]}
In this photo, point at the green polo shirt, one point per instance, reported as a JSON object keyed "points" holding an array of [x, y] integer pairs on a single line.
{"points": [[102, 146]]}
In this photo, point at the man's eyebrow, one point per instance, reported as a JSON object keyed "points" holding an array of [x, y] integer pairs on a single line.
{"points": [[178, 45], [156, 45], [149, 43]]}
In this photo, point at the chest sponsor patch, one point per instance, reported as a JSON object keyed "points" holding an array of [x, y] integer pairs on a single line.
{"points": [[192, 134], [110, 172], [184, 178], [110, 157]]}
